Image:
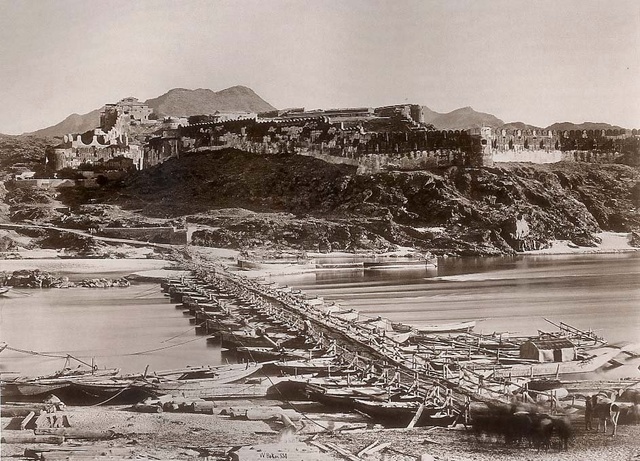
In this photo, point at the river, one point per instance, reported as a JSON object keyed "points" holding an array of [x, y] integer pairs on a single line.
{"points": [[506, 294], [133, 327]]}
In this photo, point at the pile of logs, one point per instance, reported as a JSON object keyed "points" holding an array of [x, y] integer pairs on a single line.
{"points": [[46, 422]]}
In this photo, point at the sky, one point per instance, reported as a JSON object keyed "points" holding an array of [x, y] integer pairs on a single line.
{"points": [[536, 61]]}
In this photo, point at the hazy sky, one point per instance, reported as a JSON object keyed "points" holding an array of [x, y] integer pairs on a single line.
{"points": [[537, 61]]}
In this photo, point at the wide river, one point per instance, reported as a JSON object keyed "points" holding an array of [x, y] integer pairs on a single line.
{"points": [[133, 327]]}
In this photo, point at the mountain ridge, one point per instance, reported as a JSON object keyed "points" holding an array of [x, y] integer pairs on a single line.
{"points": [[74, 123], [185, 102], [459, 119], [175, 102]]}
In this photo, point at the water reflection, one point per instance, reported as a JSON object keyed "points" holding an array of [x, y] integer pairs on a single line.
{"points": [[511, 294]]}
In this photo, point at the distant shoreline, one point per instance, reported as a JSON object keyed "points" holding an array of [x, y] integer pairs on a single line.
{"points": [[146, 269], [86, 267]]}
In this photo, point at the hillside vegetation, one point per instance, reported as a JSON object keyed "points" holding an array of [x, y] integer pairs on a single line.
{"points": [[295, 202], [17, 151]]}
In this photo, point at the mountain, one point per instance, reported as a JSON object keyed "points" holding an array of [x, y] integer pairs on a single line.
{"points": [[183, 102], [176, 102], [461, 119], [74, 123], [430, 115], [520, 126], [583, 126]]}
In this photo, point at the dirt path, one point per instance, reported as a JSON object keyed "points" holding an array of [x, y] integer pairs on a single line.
{"points": [[89, 235]]}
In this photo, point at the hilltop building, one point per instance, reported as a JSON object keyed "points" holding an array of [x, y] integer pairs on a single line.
{"points": [[109, 146], [550, 146], [393, 137], [130, 107], [369, 138]]}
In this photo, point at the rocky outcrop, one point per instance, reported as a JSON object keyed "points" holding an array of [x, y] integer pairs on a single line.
{"points": [[35, 278], [301, 202]]}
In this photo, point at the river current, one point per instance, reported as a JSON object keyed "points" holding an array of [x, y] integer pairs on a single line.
{"points": [[133, 327]]}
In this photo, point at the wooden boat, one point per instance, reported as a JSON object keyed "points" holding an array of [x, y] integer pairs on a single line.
{"points": [[267, 353], [400, 414], [344, 397], [589, 365], [36, 388], [401, 327], [33, 389], [400, 338], [113, 390], [325, 365], [195, 382], [239, 338], [193, 385], [253, 388], [347, 316], [447, 327], [4, 290]]}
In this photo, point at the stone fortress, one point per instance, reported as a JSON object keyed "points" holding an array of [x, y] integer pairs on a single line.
{"points": [[392, 137], [107, 146]]}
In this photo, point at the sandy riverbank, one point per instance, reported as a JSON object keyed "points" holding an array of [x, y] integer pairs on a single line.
{"points": [[611, 242], [190, 436], [84, 266]]}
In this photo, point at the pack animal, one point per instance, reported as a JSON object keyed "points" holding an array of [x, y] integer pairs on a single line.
{"points": [[604, 409]]}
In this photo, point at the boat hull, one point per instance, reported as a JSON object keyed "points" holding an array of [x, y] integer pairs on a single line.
{"points": [[392, 414]]}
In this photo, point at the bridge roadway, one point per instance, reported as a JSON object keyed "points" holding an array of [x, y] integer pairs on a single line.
{"points": [[364, 346]]}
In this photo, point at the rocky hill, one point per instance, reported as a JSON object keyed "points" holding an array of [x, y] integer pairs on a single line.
{"points": [[583, 126], [298, 202], [176, 102], [21, 151], [183, 102], [464, 118], [74, 123]]}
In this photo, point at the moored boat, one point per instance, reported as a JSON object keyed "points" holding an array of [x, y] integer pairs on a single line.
{"points": [[325, 365], [344, 397], [36, 388], [401, 327], [400, 414], [454, 327]]}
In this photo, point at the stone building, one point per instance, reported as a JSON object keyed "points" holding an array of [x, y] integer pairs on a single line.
{"points": [[386, 138], [93, 149], [107, 146], [130, 108]]}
